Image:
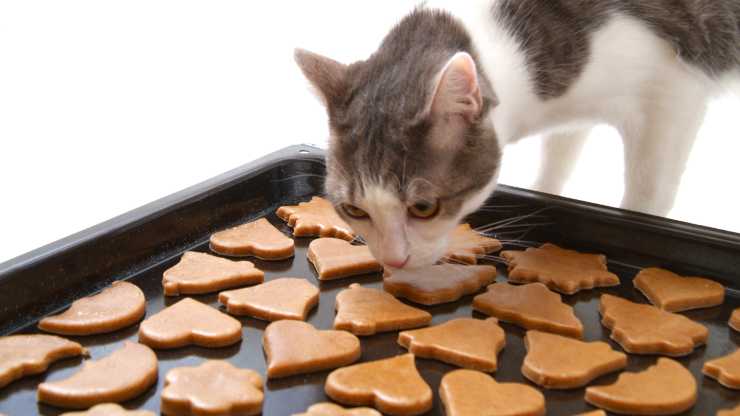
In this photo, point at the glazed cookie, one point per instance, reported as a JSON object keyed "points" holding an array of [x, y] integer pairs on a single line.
{"points": [[257, 238], [366, 311], [442, 283], [472, 393], [189, 322], [116, 307], [213, 388], [662, 389], [109, 409], [283, 298], [675, 293], [645, 329], [466, 244], [25, 355], [123, 375], [735, 320], [391, 385], [725, 369], [334, 259], [294, 347], [566, 271], [558, 362], [316, 217], [464, 342], [531, 306], [198, 273], [331, 409]]}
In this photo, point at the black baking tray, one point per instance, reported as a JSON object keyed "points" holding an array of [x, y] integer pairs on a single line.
{"points": [[140, 245]]}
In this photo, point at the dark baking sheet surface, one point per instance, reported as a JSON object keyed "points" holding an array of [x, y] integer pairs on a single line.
{"points": [[630, 241]]}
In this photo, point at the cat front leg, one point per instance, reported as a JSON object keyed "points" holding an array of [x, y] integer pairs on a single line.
{"points": [[560, 152]]}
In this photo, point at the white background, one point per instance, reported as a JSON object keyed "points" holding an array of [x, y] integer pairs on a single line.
{"points": [[105, 106]]}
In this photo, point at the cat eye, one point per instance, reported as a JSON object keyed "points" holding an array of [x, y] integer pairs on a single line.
{"points": [[424, 209], [353, 211]]}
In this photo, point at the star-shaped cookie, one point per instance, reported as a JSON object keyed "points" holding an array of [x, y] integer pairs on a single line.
{"points": [[316, 217]]}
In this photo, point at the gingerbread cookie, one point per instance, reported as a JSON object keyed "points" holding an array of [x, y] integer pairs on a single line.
{"points": [[472, 393], [283, 298], [735, 320], [365, 311], [189, 322], [675, 293], [198, 273], [213, 388], [116, 307], [257, 238], [331, 409], [123, 375], [558, 362], [730, 412], [441, 283], [334, 259], [109, 409], [316, 217], [566, 271], [662, 389], [464, 342], [531, 306], [294, 347], [645, 329], [391, 385], [725, 369], [466, 244], [594, 413], [25, 355]]}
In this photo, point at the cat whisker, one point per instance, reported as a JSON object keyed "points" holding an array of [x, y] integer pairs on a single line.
{"points": [[496, 259], [507, 221]]}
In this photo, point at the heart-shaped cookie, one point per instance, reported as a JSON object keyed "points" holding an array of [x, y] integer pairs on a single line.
{"points": [[391, 385], [295, 347], [316, 217], [189, 322], [203, 273], [109, 409], [366, 311], [725, 369], [674, 293], [283, 298], [257, 238], [437, 284], [24, 355], [334, 259], [466, 244], [472, 393], [331, 409]]}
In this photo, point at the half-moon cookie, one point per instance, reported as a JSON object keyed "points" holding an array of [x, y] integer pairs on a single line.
{"points": [[472, 393], [213, 388], [198, 273], [283, 298], [109, 409], [566, 271], [464, 342], [295, 347], [366, 311], [331, 409], [189, 322], [734, 321], [675, 293], [436, 284], [531, 306], [116, 307], [645, 329], [257, 238], [391, 385], [558, 362], [334, 259], [122, 375], [466, 244], [662, 389], [725, 369], [25, 355], [316, 217]]}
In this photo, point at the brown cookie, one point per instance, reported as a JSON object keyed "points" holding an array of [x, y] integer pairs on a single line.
{"points": [[295, 347], [316, 217], [531, 306], [391, 385], [283, 298], [366, 311], [465, 342], [122, 375], [189, 322], [734, 321], [662, 389], [441, 283], [594, 413], [116, 307], [213, 388], [331, 409], [725, 369], [466, 244], [198, 273], [109, 409], [675, 293], [334, 259], [24, 355], [566, 271], [645, 329], [257, 238], [472, 393], [730, 412], [558, 362]]}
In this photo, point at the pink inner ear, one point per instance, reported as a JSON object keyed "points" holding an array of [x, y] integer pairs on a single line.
{"points": [[457, 91]]}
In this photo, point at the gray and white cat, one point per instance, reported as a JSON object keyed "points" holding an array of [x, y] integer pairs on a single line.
{"points": [[417, 129]]}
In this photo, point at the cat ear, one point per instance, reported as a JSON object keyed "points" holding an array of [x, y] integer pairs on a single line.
{"points": [[457, 90], [327, 76]]}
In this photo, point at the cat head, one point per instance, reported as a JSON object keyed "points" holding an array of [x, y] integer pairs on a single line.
{"points": [[411, 150]]}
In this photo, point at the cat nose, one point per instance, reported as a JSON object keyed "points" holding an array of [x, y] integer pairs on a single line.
{"points": [[396, 263]]}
